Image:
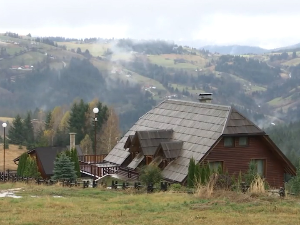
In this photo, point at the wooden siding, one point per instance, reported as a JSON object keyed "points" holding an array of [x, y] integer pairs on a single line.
{"points": [[237, 158]]}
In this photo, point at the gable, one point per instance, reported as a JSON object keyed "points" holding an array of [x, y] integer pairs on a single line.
{"points": [[239, 124]]}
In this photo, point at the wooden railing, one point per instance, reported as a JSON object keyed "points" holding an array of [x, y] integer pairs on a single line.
{"points": [[91, 158], [98, 171]]}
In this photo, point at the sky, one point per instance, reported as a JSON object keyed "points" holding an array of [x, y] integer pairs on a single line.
{"points": [[264, 23]]}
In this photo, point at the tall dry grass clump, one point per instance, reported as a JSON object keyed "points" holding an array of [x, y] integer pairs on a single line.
{"points": [[257, 186], [205, 191]]}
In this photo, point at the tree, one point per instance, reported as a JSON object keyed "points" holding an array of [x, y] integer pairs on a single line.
{"points": [[150, 174], [22, 164], [64, 168], [16, 131], [87, 145], [294, 54], [28, 131], [110, 133], [74, 159], [191, 173], [31, 169], [78, 51]]}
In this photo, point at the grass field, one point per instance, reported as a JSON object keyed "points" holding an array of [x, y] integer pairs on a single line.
{"points": [[94, 49], [10, 154], [167, 60], [292, 62], [39, 205]]}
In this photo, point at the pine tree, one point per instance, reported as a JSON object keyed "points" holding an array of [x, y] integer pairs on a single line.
{"points": [[64, 168], [191, 173], [28, 131], [74, 158], [31, 168], [22, 164], [198, 170], [16, 131]]}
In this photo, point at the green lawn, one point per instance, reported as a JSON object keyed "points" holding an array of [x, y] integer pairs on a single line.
{"points": [[58, 205], [95, 49], [167, 60], [292, 62]]}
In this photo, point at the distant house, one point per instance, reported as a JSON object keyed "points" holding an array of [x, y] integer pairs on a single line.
{"points": [[175, 131], [45, 156]]}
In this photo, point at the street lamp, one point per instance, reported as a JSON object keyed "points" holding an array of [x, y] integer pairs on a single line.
{"points": [[95, 111], [4, 125]]}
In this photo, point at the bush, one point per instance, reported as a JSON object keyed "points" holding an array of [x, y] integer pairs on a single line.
{"points": [[176, 187], [150, 174]]}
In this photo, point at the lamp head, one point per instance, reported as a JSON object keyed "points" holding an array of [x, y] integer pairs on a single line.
{"points": [[4, 125], [95, 110]]}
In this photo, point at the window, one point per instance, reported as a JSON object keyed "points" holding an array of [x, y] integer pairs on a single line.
{"points": [[228, 141], [243, 141], [216, 166], [260, 166]]}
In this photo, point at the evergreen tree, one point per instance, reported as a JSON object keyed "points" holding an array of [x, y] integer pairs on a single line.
{"points": [[28, 131], [191, 173], [48, 125], [22, 164], [31, 168], [74, 158], [294, 54], [16, 131], [64, 168]]}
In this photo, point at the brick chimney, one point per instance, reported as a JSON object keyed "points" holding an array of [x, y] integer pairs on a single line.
{"points": [[72, 140], [205, 97]]}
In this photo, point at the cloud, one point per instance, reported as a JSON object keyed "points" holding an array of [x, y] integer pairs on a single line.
{"points": [[218, 21]]}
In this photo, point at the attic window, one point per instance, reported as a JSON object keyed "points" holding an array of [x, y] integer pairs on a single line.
{"points": [[228, 141], [243, 141]]}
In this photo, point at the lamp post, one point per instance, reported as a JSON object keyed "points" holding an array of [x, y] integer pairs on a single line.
{"points": [[4, 125], [95, 111]]}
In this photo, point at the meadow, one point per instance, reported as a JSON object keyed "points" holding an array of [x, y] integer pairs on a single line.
{"points": [[64, 205]]}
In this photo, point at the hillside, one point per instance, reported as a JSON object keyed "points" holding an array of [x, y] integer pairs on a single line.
{"points": [[263, 86]]}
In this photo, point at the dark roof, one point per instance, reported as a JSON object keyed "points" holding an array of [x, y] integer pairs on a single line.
{"points": [[47, 155], [150, 139], [239, 124], [171, 149], [197, 125], [78, 149], [129, 141]]}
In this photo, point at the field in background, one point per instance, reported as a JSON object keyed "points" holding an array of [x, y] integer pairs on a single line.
{"points": [[58, 205], [10, 154]]}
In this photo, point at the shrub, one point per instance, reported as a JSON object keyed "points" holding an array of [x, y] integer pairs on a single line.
{"points": [[150, 174], [176, 187]]}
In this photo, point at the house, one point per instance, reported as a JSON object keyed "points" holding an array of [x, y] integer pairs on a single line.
{"points": [[45, 156], [175, 131]]}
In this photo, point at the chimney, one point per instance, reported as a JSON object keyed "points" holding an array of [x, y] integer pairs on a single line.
{"points": [[205, 97], [72, 140]]}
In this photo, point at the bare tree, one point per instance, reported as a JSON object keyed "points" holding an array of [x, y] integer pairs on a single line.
{"points": [[110, 133]]}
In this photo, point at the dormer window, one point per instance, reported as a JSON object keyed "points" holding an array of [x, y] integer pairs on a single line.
{"points": [[228, 141]]}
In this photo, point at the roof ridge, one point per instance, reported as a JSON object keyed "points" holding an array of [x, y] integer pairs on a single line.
{"points": [[195, 103]]}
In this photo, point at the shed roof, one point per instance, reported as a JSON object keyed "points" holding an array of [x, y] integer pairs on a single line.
{"points": [[197, 125]]}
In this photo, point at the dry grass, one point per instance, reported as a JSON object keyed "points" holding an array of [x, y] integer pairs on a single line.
{"points": [[10, 154], [257, 186], [98, 206]]}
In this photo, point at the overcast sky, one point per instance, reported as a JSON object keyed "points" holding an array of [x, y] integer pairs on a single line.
{"points": [[264, 23]]}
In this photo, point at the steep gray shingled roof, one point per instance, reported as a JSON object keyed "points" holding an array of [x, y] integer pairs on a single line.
{"points": [[198, 125], [171, 149], [239, 124], [150, 139]]}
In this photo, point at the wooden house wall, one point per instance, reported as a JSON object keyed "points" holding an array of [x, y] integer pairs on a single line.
{"points": [[237, 158]]}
